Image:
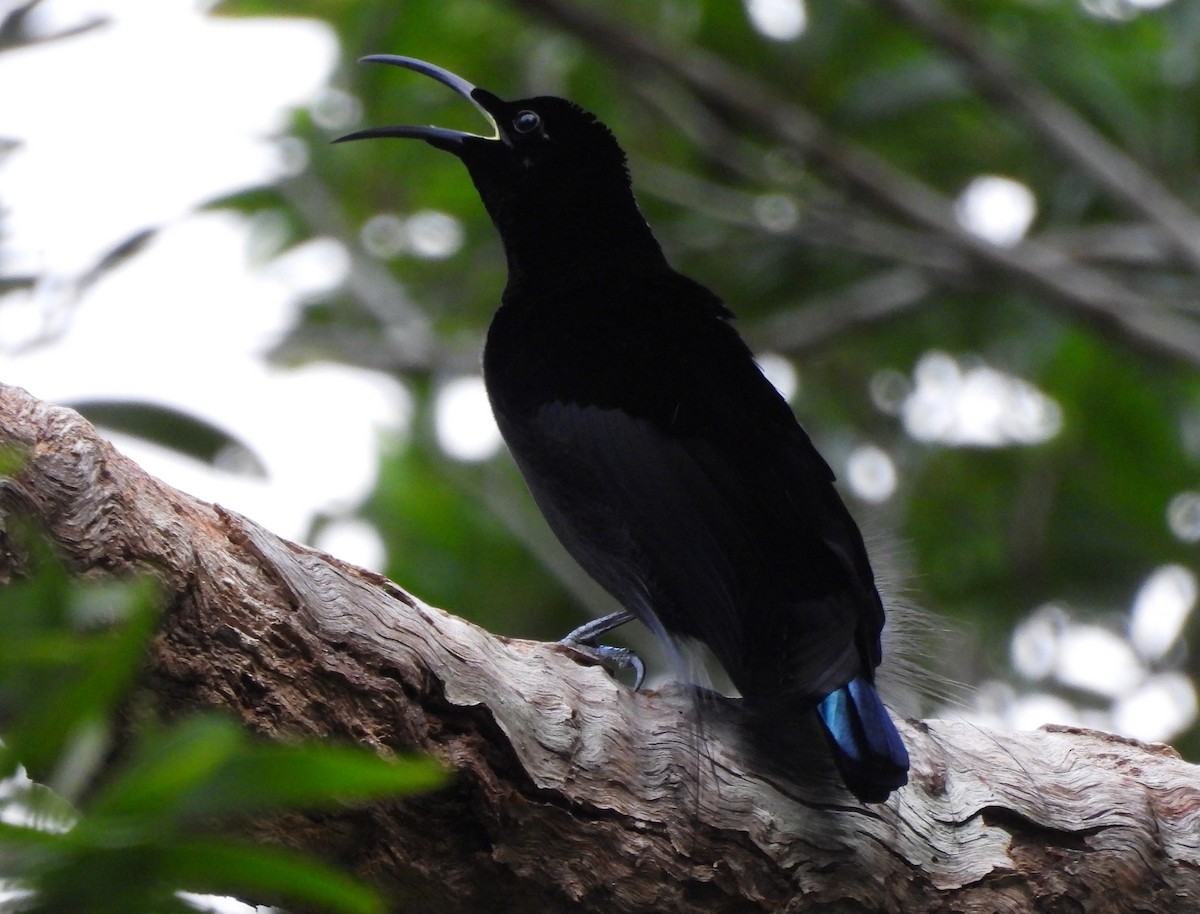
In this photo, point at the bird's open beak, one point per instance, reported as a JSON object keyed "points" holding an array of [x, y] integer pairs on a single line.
{"points": [[441, 137]]}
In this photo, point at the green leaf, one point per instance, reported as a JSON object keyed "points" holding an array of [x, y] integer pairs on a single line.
{"points": [[209, 767], [168, 767], [59, 686], [227, 867], [175, 429], [100, 867], [267, 776]]}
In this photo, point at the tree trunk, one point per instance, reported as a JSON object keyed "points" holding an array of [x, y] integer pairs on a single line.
{"points": [[571, 791]]}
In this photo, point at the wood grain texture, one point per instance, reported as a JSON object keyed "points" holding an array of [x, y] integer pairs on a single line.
{"points": [[571, 791]]}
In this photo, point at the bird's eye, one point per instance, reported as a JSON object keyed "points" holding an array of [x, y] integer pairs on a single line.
{"points": [[526, 122]]}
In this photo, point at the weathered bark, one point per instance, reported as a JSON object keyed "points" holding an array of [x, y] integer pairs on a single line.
{"points": [[572, 791]]}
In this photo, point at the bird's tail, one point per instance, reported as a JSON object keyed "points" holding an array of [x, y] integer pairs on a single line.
{"points": [[866, 747]]}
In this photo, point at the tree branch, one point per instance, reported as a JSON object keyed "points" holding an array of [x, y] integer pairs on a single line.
{"points": [[929, 263], [1121, 177], [857, 304], [570, 788]]}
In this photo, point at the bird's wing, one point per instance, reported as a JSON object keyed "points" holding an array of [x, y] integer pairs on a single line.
{"points": [[728, 541]]}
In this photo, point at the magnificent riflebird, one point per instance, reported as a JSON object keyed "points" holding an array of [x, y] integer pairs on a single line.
{"points": [[662, 458]]}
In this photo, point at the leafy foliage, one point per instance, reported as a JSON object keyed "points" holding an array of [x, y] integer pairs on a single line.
{"points": [[161, 821], [173, 428]]}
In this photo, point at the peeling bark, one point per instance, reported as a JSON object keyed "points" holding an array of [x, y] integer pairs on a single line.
{"points": [[571, 791]]}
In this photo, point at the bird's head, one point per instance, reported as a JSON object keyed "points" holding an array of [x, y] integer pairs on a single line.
{"points": [[549, 163]]}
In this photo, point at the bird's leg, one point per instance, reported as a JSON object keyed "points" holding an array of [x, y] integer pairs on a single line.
{"points": [[583, 640]]}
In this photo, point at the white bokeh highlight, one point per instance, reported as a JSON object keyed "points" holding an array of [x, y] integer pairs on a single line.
{"points": [[1162, 707], [1122, 676], [1183, 516], [871, 473], [779, 20], [776, 213], [355, 541], [1120, 10], [427, 234], [997, 209], [780, 371], [384, 235], [1095, 659], [1161, 609], [1033, 647], [434, 235], [965, 404], [463, 421]]}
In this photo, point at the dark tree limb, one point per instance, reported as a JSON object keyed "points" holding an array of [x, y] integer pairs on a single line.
{"points": [[571, 791]]}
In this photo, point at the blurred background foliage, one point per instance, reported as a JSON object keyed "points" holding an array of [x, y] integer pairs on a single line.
{"points": [[964, 235], [92, 819]]}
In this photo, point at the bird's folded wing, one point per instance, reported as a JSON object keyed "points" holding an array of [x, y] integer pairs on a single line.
{"points": [[702, 539]]}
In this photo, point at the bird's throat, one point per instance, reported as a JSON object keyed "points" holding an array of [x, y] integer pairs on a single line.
{"points": [[582, 251]]}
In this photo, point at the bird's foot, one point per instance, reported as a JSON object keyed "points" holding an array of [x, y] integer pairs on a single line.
{"points": [[583, 641], [620, 658]]}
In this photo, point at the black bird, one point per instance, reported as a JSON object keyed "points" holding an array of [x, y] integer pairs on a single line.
{"points": [[660, 455]]}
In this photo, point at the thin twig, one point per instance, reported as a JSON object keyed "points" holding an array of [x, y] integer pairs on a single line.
{"points": [[868, 301], [819, 222], [409, 333], [1122, 178]]}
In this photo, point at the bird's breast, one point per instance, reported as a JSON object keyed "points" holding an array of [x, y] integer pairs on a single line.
{"points": [[592, 354]]}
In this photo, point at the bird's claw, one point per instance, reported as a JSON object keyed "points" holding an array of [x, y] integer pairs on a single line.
{"points": [[617, 657]]}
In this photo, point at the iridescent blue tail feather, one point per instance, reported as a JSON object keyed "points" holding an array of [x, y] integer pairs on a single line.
{"points": [[866, 747]]}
